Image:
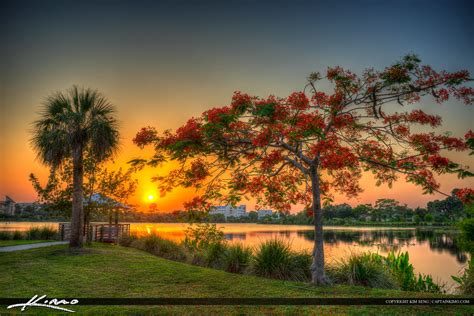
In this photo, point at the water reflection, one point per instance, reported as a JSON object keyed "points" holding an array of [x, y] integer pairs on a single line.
{"points": [[388, 240], [431, 251]]}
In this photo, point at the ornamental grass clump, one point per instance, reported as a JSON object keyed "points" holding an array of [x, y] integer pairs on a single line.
{"points": [[362, 269], [41, 233], [275, 259], [160, 247], [236, 258]]}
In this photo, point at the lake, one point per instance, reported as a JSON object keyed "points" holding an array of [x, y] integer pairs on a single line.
{"points": [[431, 250]]}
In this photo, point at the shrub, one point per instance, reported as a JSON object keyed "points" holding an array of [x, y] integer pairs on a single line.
{"points": [[17, 235], [48, 233], [6, 235], [301, 266], [403, 271], [273, 259], [126, 240], [466, 280], [33, 233], [362, 269], [201, 236], [159, 247], [214, 254], [41, 233], [236, 258]]}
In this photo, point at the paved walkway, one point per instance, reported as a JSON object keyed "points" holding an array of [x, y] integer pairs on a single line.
{"points": [[32, 246]]}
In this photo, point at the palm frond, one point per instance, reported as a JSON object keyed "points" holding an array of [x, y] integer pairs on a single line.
{"points": [[80, 117]]}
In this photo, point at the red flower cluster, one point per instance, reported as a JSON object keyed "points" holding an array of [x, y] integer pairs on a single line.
{"points": [[262, 138], [425, 143], [309, 121], [466, 94], [416, 116], [271, 159], [189, 131], [332, 155], [438, 162], [320, 99], [298, 101], [240, 100], [343, 120], [469, 135], [215, 115], [453, 143], [145, 136], [466, 195], [198, 170], [333, 72], [402, 130]]}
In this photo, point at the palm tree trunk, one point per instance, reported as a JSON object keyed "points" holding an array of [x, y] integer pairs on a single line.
{"points": [[317, 267], [77, 218]]}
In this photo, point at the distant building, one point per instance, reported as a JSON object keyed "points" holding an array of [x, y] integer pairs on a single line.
{"points": [[263, 213], [7, 206], [229, 210]]}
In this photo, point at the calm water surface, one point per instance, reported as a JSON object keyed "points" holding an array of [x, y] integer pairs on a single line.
{"points": [[432, 251]]}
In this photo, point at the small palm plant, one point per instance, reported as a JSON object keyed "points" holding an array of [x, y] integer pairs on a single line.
{"points": [[71, 123]]}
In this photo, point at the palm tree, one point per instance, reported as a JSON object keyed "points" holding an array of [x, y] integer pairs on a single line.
{"points": [[71, 123]]}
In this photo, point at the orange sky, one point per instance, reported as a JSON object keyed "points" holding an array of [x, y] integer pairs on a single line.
{"points": [[134, 112], [162, 63]]}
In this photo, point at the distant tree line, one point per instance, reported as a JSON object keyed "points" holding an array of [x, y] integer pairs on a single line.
{"points": [[384, 211]]}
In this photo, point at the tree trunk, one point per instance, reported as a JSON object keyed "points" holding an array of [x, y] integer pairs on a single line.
{"points": [[317, 267], [87, 225], [77, 218]]}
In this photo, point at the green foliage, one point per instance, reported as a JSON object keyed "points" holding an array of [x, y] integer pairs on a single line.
{"points": [[159, 247], [78, 119], [266, 110], [400, 266], [214, 254], [465, 282], [362, 269], [5, 235], [127, 240], [467, 229], [41, 233], [374, 270], [34, 233], [236, 258], [274, 259], [17, 235], [200, 236], [301, 266], [106, 270]]}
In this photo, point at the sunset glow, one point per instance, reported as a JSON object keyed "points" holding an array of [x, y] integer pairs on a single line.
{"points": [[209, 71]]}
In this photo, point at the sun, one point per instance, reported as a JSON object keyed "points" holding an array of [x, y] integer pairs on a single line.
{"points": [[150, 197]]}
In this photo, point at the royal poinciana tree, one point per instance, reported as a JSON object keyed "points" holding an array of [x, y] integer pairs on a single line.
{"points": [[300, 149]]}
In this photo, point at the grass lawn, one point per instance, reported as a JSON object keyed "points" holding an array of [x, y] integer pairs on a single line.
{"points": [[114, 271], [7, 243]]}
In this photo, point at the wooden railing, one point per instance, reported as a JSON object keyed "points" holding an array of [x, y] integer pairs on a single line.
{"points": [[98, 232], [109, 232]]}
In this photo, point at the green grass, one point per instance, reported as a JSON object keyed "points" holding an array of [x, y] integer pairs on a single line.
{"points": [[8, 243], [114, 271]]}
